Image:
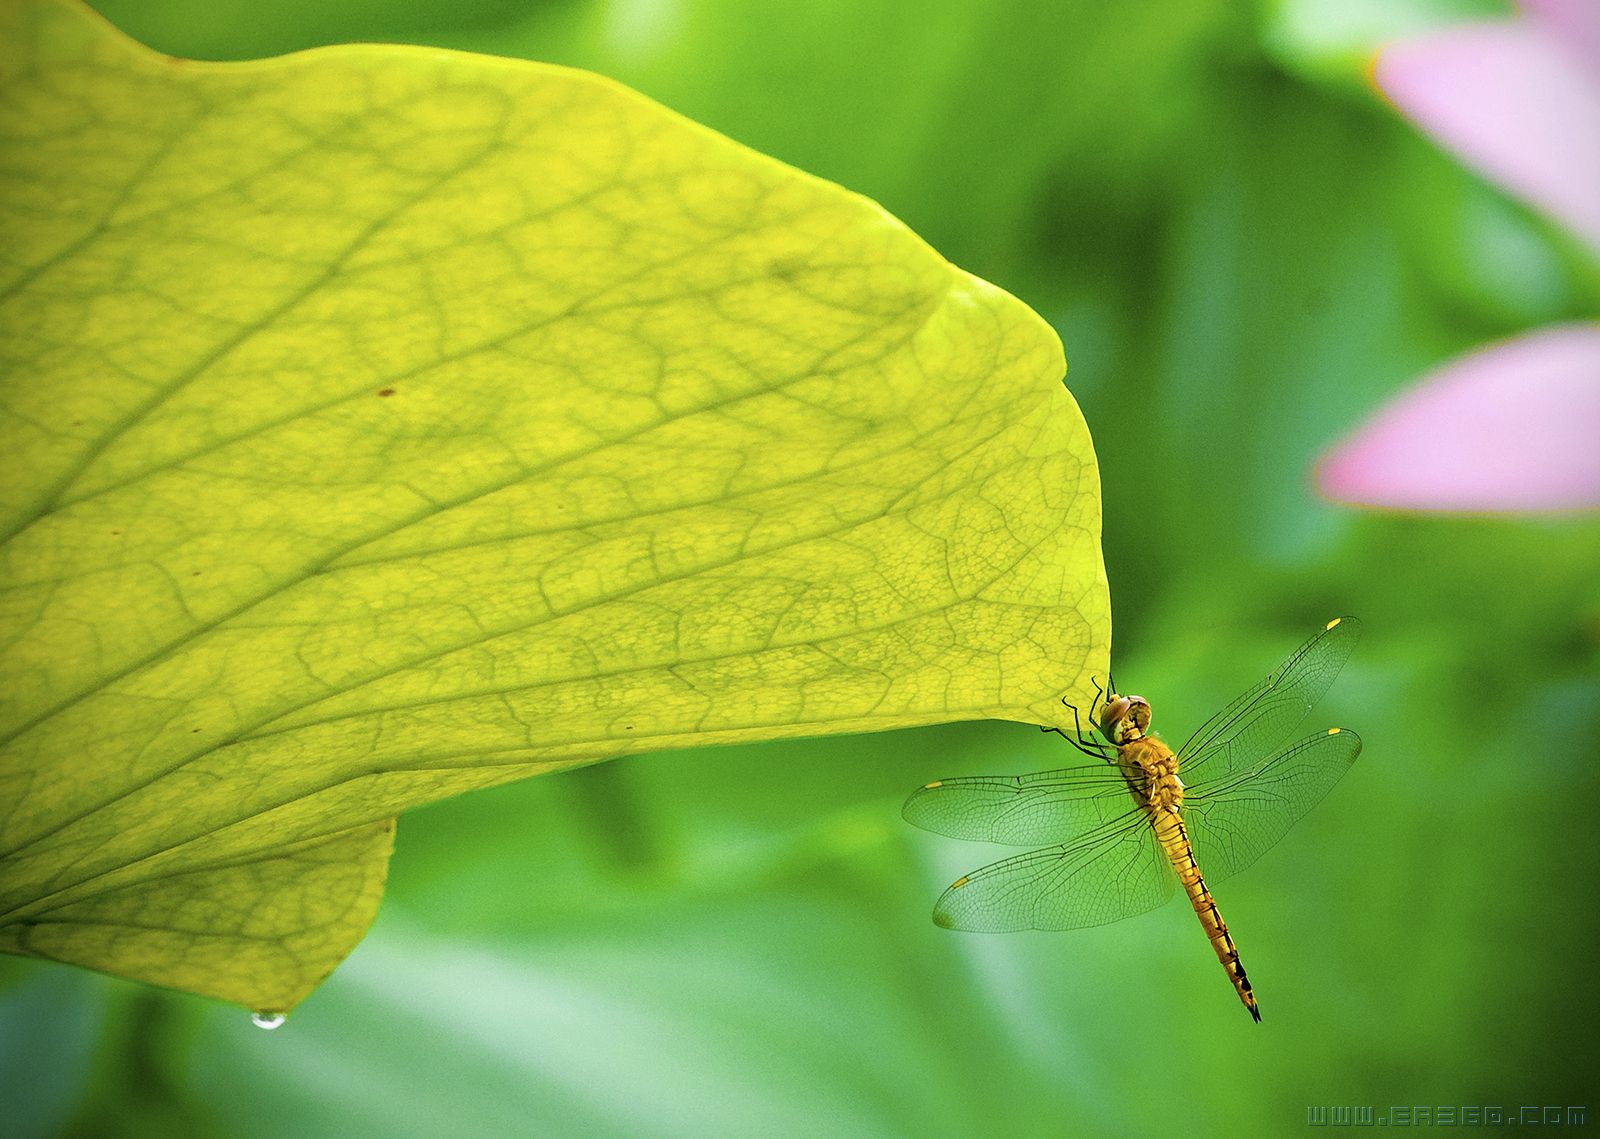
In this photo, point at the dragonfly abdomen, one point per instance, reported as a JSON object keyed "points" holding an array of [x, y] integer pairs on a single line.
{"points": [[1174, 840]]}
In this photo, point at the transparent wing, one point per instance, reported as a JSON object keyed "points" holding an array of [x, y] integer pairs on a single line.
{"points": [[1114, 873], [1260, 720], [1234, 819], [1022, 810]]}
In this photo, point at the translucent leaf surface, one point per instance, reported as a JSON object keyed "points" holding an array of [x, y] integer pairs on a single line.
{"points": [[382, 423]]}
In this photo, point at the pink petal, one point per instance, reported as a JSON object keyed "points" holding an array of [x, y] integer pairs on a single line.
{"points": [[1518, 100], [1514, 427], [1576, 21]]}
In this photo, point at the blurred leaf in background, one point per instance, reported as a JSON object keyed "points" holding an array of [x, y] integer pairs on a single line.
{"points": [[1245, 252]]}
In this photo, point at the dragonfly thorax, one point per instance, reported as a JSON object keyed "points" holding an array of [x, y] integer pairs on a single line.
{"points": [[1124, 718]]}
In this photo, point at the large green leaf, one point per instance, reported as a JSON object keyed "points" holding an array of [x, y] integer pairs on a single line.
{"points": [[383, 423]]}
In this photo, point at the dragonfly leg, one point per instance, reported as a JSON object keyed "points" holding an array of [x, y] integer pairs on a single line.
{"points": [[1084, 743]]}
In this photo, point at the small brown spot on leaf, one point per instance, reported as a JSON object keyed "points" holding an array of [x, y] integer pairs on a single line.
{"points": [[386, 392], [787, 268]]}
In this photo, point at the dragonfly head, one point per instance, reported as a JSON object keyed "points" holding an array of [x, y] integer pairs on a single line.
{"points": [[1124, 718]]}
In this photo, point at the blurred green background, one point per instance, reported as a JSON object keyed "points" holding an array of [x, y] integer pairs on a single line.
{"points": [[1244, 251]]}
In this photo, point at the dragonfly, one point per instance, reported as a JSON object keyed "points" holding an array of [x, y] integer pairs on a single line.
{"points": [[1236, 798]]}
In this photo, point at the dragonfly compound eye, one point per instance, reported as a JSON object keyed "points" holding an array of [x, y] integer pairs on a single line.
{"points": [[1111, 717], [1123, 716]]}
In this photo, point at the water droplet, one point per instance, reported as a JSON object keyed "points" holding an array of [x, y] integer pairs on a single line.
{"points": [[268, 1020]]}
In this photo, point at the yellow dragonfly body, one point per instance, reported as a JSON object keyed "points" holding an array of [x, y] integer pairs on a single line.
{"points": [[1236, 799]]}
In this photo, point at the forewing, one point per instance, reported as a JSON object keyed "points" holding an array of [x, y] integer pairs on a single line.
{"points": [[1021, 810], [1233, 820], [1114, 873], [1263, 717]]}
